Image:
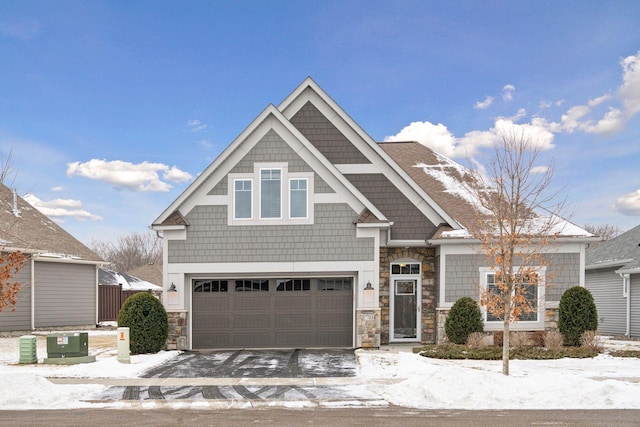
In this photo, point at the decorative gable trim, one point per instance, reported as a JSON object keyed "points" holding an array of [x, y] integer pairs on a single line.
{"points": [[270, 119]]}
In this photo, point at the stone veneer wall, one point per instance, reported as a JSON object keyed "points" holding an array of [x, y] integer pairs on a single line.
{"points": [[426, 256], [177, 339], [368, 328]]}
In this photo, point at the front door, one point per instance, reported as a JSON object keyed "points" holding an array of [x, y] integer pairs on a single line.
{"points": [[405, 302]]}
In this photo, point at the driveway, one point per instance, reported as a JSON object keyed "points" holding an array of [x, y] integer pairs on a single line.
{"points": [[307, 375]]}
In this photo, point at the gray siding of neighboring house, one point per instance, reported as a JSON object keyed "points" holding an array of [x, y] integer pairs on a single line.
{"points": [[20, 319], [605, 286], [65, 294], [462, 276], [409, 222], [326, 137], [634, 290], [331, 238]]}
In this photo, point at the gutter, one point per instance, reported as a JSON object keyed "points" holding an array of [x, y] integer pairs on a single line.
{"points": [[608, 264]]}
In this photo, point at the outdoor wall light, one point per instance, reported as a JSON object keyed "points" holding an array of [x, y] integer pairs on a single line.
{"points": [[172, 288], [369, 287]]}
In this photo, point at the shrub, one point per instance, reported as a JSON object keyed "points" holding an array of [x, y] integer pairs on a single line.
{"points": [[147, 321], [464, 318], [591, 340], [577, 313], [477, 340], [518, 339], [553, 340]]}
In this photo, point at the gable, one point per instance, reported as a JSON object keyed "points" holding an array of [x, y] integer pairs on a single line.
{"points": [[270, 138], [326, 137]]}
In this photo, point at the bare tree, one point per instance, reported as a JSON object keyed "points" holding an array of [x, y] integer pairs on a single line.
{"points": [[517, 219], [6, 166], [130, 251], [604, 231]]}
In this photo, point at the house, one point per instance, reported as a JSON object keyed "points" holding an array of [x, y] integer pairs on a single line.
{"points": [[128, 281], [60, 278], [305, 232], [613, 278]]}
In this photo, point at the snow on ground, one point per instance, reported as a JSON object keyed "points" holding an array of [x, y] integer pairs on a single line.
{"points": [[603, 382]]}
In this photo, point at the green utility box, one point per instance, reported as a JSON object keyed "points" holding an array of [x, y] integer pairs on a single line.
{"points": [[68, 345], [28, 349]]}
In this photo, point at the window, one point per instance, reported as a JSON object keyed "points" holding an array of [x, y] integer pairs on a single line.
{"points": [[242, 198], [298, 198], [252, 286], [405, 268], [270, 193], [531, 288], [293, 285], [210, 286], [339, 284]]}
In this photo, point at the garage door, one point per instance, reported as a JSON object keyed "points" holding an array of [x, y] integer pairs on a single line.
{"points": [[272, 313]]}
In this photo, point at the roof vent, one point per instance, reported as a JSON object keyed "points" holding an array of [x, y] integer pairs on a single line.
{"points": [[15, 211]]}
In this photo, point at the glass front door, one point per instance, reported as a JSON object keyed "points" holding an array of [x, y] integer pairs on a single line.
{"points": [[405, 305]]}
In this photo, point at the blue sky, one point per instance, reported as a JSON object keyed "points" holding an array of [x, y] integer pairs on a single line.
{"points": [[111, 108]]}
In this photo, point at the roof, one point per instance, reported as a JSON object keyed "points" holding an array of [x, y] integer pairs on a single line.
{"points": [[29, 230], [444, 180], [622, 251], [440, 177], [110, 277]]}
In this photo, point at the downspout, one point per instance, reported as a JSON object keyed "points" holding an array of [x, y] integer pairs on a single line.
{"points": [[626, 285], [33, 293]]}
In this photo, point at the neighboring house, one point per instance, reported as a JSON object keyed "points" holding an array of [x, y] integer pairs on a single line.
{"points": [[128, 282], [60, 278], [613, 277], [305, 232], [114, 289]]}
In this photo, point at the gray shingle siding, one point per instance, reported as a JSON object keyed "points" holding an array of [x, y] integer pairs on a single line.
{"points": [[606, 287], [331, 238], [20, 319], [409, 222], [326, 137], [462, 275], [65, 294]]}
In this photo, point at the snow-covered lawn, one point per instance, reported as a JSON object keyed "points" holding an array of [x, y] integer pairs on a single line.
{"points": [[602, 382]]}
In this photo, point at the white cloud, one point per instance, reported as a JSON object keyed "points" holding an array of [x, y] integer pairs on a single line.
{"points": [[58, 188], [507, 92], [630, 89], [539, 169], [196, 125], [440, 139], [135, 177], [59, 209], [629, 204], [481, 105]]}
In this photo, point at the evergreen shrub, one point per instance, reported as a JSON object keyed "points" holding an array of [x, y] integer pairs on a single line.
{"points": [[577, 313], [147, 321], [464, 318]]}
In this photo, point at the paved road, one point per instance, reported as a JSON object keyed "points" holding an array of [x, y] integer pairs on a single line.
{"points": [[388, 416]]}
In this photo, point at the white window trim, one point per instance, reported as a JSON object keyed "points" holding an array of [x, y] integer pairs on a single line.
{"points": [[282, 201], [256, 192], [522, 324], [233, 198], [306, 201]]}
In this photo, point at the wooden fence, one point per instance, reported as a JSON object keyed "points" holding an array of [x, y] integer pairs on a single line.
{"points": [[110, 299]]}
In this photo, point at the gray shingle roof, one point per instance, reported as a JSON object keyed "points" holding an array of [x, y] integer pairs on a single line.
{"points": [[31, 230], [623, 251]]}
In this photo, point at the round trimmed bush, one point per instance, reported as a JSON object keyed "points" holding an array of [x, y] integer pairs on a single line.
{"points": [[464, 319], [577, 313], [147, 321]]}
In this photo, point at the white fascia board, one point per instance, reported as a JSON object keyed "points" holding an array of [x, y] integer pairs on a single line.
{"points": [[270, 268], [608, 264], [310, 91], [168, 227]]}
